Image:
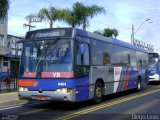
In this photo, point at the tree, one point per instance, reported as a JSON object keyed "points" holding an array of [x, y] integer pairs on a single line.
{"points": [[80, 14], [87, 12], [31, 16], [110, 32], [4, 6], [71, 18], [50, 15], [98, 32], [115, 32]]}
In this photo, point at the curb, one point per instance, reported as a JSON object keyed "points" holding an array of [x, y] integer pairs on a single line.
{"points": [[12, 102], [3, 94]]}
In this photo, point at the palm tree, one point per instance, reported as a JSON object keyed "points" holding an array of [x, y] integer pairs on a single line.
{"points": [[70, 17], [31, 16], [110, 32], [50, 15], [87, 12], [80, 14], [4, 6]]}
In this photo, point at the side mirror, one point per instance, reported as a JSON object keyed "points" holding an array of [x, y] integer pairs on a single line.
{"points": [[82, 48]]}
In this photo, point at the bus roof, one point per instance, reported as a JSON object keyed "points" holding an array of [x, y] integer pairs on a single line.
{"points": [[73, 32], [108, 39]]}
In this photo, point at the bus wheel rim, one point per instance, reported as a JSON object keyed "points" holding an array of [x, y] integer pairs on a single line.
{"points": [[98, 92], [139, 85]]}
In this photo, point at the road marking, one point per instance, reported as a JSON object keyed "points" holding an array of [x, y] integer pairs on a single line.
{"points": [[10, 107], [98, 107]]}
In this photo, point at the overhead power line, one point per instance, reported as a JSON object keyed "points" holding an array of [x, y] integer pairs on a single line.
{"points": [[32, 21]]}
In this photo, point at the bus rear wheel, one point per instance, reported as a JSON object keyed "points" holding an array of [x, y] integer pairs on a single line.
{"points": [[98, 92]]}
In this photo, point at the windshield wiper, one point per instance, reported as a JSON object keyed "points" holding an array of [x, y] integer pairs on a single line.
{"points": [[49, 44], [46, 49]]}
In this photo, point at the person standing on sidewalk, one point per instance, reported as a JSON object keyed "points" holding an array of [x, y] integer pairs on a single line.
{"points": [[8, 80]]}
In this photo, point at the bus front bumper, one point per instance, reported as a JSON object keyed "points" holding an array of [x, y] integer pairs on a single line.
{"points": [[47, 96]]}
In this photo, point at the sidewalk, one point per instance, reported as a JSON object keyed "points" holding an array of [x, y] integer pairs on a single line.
{"points": [[8, 99]]}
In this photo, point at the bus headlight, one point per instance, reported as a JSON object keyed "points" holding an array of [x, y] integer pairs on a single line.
{"points": [[22, 89], [64, 90]]}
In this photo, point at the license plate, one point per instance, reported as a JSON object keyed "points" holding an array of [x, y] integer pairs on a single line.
{"points": [[40, 98]]}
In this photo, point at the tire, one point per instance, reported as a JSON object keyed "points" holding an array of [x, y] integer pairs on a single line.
{"points": [[98, 92], [139, 86]]}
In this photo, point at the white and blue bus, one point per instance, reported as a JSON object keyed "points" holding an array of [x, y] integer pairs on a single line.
{"points": [[154, 67], [69, 64]]}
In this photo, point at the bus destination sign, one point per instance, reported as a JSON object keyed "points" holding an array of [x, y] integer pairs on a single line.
{"points": [[48, 33]]}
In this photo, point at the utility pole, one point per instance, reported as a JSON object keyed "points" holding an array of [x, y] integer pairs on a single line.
{"points": [[134, 32], [31, 21], [132, 35], [139, 43]]}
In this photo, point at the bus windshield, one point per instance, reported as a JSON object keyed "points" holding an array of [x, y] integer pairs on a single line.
{"points": [[153, 61], [46, 56]]}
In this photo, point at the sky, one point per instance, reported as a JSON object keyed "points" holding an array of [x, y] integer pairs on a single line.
{"points": [[120, 14]]}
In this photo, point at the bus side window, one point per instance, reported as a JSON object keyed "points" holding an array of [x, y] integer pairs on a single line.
{"points": [[83, 54], [106, 59]]}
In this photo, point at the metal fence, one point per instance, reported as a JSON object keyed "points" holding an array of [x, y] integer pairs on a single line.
{"points": [[8, 82]]}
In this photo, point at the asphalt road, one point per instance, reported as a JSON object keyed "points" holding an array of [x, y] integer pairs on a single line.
{"points": [[129, 105]]}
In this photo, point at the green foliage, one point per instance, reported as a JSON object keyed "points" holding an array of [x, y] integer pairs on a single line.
{"points": [[77, 16], [110, 32], [4, 6], [31, 16], [50, 15], [80, 14], [71, 18]]}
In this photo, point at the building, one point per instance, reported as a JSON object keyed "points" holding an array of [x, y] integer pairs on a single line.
{"points": [[3, 38], [144, 45], [3, 34], [9, 54]]}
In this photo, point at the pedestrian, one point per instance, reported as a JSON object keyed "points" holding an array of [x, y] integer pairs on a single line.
{"points": [[7, 81]]}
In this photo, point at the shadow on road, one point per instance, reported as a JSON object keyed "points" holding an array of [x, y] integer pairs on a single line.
{"points": [[66, 106], [52, 110], [156, 83]]}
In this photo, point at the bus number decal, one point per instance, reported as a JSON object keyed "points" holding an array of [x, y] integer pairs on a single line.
{"points": [[62, 84]]}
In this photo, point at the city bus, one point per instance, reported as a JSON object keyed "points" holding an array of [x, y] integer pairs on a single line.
{"points": [[154, 67], [73, 65]]}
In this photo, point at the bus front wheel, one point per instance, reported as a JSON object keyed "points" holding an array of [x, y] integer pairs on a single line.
{"points": [[98, 92]]}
